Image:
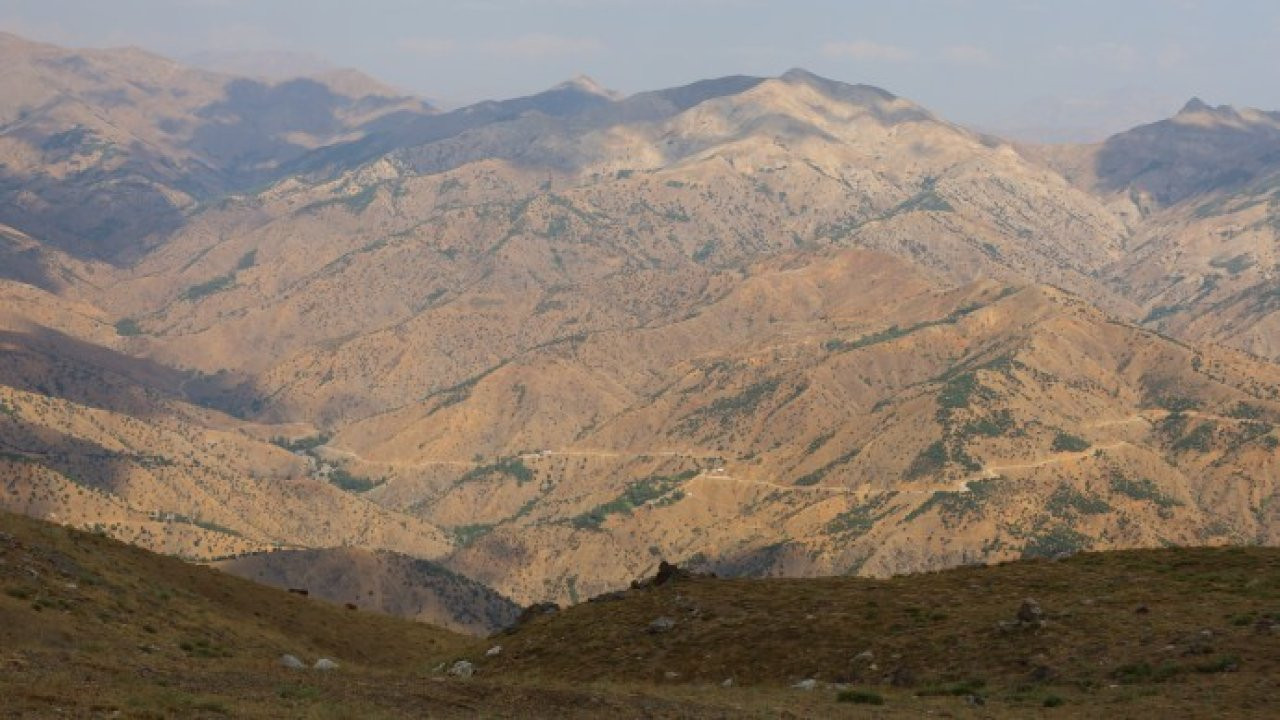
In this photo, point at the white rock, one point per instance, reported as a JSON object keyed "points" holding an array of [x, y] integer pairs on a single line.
{"points": [[806, 684], [728, 683], [462, 669], [325, 664], [494, 651], [291, 662]]}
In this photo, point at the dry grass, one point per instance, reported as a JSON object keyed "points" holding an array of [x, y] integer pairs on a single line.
{"points": [[90, 627]]}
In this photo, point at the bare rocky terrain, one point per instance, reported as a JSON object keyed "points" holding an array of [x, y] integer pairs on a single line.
{"points": [[763, 326]]}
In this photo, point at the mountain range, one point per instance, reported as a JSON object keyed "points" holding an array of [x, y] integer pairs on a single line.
{"points": [[762, 326]]}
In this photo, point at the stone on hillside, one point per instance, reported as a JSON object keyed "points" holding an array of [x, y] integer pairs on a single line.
{"points": [[728, 683], [807, 684], [1030, 613], [494, 651], [668, 572], [291, 662], [325, 664], [662, 625], [865, 656], [462, 669]]}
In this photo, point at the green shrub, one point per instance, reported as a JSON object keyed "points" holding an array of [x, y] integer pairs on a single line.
{"points": [[216, 285], [128, 327], [1066, 442], [860, 697]]}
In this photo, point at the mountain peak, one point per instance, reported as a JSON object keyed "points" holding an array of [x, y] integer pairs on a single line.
{"points": [[835, 88], [1195, 105], [588, 85]]}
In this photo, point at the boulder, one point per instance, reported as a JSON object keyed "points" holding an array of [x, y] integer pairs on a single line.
{"points": [[462, 669], [325, 664], [807, 684], [1030, 613], [661, 625], [291, 662]]}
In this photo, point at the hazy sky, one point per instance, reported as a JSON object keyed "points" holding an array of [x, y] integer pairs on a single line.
{"points": [[1071, 65]]}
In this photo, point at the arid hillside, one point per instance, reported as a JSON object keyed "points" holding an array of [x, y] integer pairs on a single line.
{"points": [[385, 582], [766, 326]]}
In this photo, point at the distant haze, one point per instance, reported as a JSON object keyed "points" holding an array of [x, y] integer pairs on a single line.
{"points": [[1032, 69]]}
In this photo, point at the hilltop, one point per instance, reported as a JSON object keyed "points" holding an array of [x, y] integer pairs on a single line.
{"points": [[92, 626]]}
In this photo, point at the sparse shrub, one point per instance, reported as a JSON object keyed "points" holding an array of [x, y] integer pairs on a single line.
{"points": [[860, 697], [930, 460], [955, 689], [1141, 489], [128, 327], [1066, 442], [1226, 663], [1200, 439], [216, 285], [1053, 701], [1058, 540], [1143, 672]]}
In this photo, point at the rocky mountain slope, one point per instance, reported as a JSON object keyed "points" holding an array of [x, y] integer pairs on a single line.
{"points": [[106, 151], [763, 325], [386, 582]]}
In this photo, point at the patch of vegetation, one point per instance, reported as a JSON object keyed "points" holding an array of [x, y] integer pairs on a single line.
{"points": [[654, 488], [1234, 265], [1066, 442], [128, 327], [513, 467], [247, 260], [704, 251], [352, 483], [994, 426], [859, 519], [958, 390], [927, 200], [957, 504], [1144, 672], [304, 444], [203, 648], [465, 535], [1245, 411], [1056, 541], [1141, 489], [1066, 501], [930, 460], [1177, 403], [817, 443], [894, 332], [1226, 663], [354, 202], [1200, 439], [1160, 312], [816, 476], [726, 408], [953, 689], [860, 697], [557, 227], [204, 289]]}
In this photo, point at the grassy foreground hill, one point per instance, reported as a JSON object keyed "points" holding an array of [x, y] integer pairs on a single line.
{"points": [[90, 627]]}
